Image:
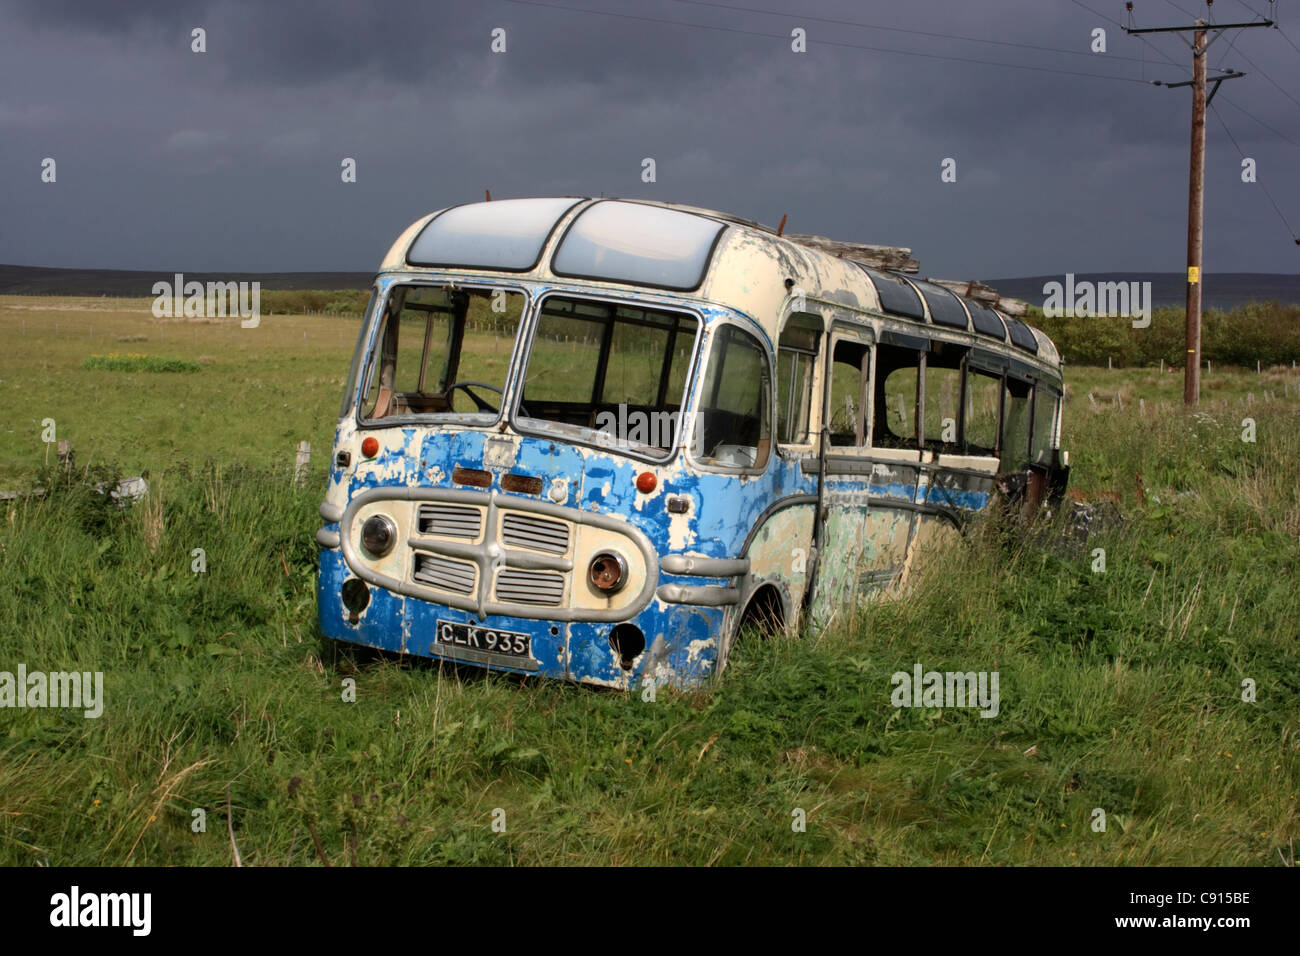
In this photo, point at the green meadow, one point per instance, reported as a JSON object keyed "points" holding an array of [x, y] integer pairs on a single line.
{"points": [[1161, 691]]}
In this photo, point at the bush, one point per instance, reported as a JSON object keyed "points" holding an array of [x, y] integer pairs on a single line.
{"points": [[138, 363], [1267, 332]]}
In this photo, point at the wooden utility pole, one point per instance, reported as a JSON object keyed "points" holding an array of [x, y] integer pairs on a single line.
{"points": [[1195, 222], [1196, 181]]}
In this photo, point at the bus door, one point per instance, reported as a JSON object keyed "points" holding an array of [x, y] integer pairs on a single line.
{"points": [[959, 435], [898, 459], [849, 556]]}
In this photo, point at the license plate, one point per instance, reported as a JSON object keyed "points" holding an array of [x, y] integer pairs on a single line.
{"points": [[484, 640]]}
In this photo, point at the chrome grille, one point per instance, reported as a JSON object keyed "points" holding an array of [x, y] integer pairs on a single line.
{"points": [[444, 573], [543, 588], [450, 521], [538, 534]]}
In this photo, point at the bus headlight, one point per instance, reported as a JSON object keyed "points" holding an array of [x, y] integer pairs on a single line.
{"points": [[378, 535], [607, 572]]}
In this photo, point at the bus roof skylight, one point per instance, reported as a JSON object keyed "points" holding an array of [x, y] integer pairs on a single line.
{"points": [[507, 234], [637, 244]]}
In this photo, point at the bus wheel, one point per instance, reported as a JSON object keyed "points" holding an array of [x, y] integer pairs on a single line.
{"points": [[765, 612]]}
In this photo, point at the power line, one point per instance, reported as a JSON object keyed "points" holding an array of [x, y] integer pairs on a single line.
{"points": [[1183, 10], [1272, 201], [1276, 26], [834, 43], [799, 17], [1154, 49], [1096, 14], [1242, 3], [1271, 129], [1251, 64]]}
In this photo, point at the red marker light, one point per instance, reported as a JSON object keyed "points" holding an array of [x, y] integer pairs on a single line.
{"points": [[370, 447], [646, 482]]}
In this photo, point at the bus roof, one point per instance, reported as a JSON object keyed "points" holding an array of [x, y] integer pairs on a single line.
{"points": [[697, 252]]}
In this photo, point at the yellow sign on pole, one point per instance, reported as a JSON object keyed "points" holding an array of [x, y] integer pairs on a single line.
{"points": [[1193, 275]]}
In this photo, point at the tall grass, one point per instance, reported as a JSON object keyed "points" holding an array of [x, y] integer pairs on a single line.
{"points": [[1120, 691]]}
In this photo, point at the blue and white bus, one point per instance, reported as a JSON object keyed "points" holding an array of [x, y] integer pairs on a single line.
{"points": [[592, 438]]}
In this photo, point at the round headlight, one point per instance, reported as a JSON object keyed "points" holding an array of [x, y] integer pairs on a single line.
{"points": [[378, 535], [607, 572]]}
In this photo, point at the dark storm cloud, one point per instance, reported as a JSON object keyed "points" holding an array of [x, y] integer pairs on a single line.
{"points": [[230, 159]]}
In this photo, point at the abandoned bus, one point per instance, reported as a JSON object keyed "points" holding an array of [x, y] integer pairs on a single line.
{"points": [[591, 438]]}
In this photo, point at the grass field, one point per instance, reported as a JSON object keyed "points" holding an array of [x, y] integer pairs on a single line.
{"points": [[1120, 691]]}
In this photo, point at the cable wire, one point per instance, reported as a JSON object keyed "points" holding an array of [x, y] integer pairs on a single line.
{"points": [[1281, 215], [877, 26], [834, 43]]}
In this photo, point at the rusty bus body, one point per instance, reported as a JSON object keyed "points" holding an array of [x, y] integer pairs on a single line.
{"points": [[587, 439]]}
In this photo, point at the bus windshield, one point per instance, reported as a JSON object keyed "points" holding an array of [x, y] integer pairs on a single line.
{"points": [[441, 352], [609, 373]]}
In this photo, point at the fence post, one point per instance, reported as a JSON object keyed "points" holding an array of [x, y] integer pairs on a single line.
{"points": [[302, 461]]}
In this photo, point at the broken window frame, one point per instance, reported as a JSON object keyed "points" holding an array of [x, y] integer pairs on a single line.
{"points": [[852, 336], [802, 336], [591, 436], [718, 336], [359, 354], [373, 335]]}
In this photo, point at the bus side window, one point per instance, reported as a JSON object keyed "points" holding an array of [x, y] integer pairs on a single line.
{"points": [[794, 395], [845, 412], [983, 395], [733, 427], [800, 343], [895, 404], [1045, 403], [942, 397], [1015, 423]]}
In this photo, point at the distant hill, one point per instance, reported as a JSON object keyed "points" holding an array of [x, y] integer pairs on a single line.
{"points": [[1223, 291], [37, 280]]}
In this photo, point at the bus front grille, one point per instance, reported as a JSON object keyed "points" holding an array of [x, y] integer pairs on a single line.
{"points": [[537, 534], [450, 521], [444, 573], [541, 588]]}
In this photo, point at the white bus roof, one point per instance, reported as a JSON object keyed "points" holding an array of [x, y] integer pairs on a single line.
{"points": [[683, 249]]}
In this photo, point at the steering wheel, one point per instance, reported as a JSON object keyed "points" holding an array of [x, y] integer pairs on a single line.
{"points": [[479, 403]]}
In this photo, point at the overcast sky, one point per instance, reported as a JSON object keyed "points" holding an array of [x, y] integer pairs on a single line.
{"points": [[169, 159]]}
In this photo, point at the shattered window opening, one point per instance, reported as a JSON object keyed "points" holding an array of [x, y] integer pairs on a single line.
{"points": [[846, 413], [441, 352], [614, 373], [733, 423]]}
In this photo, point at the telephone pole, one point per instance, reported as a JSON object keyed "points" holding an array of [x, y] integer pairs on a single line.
{"points": [[1196, 181]]}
